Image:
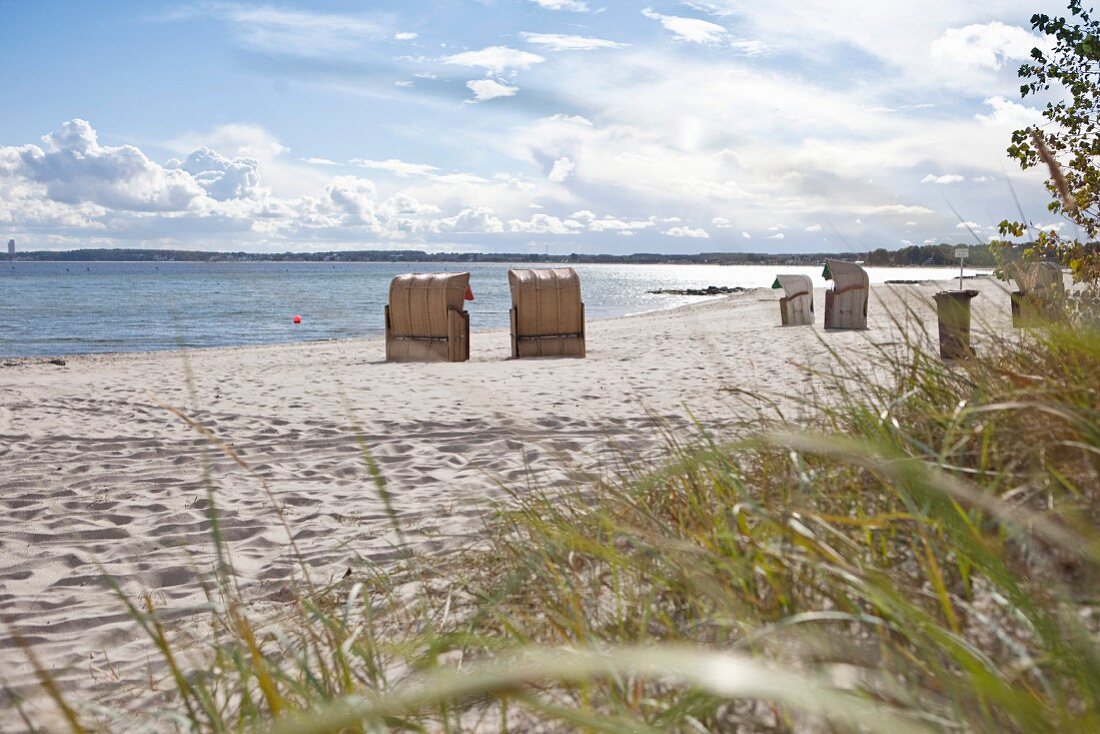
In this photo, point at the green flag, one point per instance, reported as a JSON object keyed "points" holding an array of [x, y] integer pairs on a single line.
{"points": [[776, 283]]}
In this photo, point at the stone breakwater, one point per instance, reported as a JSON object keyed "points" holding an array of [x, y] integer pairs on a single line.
{"points": [[710, 290]]}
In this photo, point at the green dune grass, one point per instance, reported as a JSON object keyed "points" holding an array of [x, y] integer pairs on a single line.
{"points": [[920, 555]]}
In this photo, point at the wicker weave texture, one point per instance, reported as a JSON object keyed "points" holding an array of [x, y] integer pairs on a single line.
{"points": [[846, 303], [425, 320], [1037, 278], [419, 302], [547, 313], [1036, 303], [796, 308]]}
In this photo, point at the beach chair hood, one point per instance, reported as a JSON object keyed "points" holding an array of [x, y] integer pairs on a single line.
{"points": [[795, 285], [847, 276], [1040, 290], [419, 302], [796, 308], [1036, 277]]}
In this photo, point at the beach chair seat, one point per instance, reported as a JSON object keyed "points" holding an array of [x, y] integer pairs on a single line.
{"points": [[846, 302], [1038, 299], [426, 320], [547, 313], [796, 307]]}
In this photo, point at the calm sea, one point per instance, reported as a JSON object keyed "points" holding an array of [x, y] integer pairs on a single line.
{"points": [[55, 308]]}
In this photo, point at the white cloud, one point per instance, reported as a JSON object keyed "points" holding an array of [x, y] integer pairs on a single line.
{"points": [[947, 178], [699, 233], [748, 47], [574, 119], [896, 210], [689, 29], [486, 89], [75, 169], [1008, 115], [320, 161], [396, 167], [222, 178], [76, 184], [615, 224], [746, 235], [559, 42], [576, 6], [583, 215], [813, 228], [460, 178], [403, 83], [776, 236], [968, 225], [299, 33], [495, 59], [897, 35], [404, 36], [234, 140], [477, 220], [721, 223], [987, 45], [539, 224], [562, 170], [355, 198]]}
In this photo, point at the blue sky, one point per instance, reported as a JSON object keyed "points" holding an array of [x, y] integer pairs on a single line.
{"points": [[512, 125]]}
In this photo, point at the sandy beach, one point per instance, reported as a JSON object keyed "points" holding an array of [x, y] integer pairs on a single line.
{"points": [[98, 477]]}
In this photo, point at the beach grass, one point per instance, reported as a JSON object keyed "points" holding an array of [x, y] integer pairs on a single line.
{"points": [[919, 554]]}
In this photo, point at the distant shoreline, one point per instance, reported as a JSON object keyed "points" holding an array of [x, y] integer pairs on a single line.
{"points": [[926, 256]]}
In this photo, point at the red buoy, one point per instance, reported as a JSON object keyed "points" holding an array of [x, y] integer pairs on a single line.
{"points": [[297, 319]]}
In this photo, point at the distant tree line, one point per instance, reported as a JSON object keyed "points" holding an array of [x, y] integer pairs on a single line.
{"points": [[978, 256], [942, 254]]}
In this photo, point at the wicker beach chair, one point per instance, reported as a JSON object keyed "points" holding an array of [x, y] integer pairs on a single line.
{"points": [[846, 302], [547, 313], [1041, 289], [425, 318], [796, 308]]}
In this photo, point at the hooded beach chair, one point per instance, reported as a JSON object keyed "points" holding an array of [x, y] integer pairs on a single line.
{"points": [[846, 302], [1041, 289], [796, 308], [425, 318], [547, 313]]}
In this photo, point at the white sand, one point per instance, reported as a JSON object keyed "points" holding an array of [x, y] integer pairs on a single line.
{"points": [[96, 477]]}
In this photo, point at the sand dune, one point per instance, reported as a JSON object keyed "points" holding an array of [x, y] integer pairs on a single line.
{"points": [[98, 478]]}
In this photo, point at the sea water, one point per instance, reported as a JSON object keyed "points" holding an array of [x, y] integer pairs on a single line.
{"points": [[57, 308]]}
